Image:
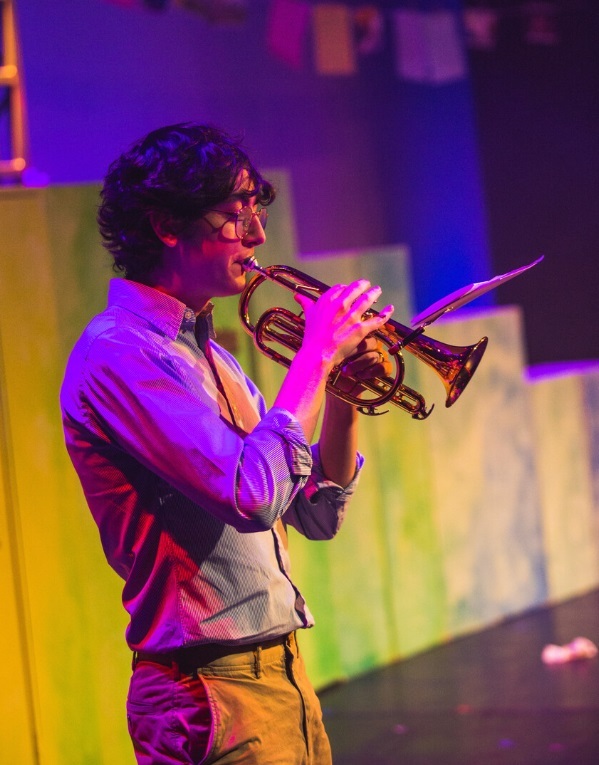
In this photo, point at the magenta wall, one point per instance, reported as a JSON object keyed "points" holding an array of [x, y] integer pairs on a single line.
{"points": [[373, 160], [476, 177]]}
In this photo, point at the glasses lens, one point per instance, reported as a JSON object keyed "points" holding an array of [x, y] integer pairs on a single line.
{"points": [[263, 216], [244, 219]]}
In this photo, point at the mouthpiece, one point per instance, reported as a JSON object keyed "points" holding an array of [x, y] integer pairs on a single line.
{"points": [[251, 264]]}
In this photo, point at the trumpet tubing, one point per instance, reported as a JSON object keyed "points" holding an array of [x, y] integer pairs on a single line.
{"points": [[455, 365]]}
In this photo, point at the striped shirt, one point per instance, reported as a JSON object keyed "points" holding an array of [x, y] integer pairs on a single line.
{"points": [[190, 508]]}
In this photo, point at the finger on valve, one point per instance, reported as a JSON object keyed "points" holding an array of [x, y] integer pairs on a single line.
{"points": [[370, 360]]}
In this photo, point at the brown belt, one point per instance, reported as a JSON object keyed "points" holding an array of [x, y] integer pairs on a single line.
{"points": [[190, 658]]}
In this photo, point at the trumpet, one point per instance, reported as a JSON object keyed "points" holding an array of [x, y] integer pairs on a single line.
{"points": [[455, 365]]}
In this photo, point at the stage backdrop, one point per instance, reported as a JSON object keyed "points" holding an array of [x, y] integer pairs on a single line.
{"points": [[482, 511]]}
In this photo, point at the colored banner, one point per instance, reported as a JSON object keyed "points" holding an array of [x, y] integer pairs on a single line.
{"points": [[287, 25], [334, 49], [428, 47]]}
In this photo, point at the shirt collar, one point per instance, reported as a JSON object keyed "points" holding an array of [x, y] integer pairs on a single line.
{"points": [[165, 312]]}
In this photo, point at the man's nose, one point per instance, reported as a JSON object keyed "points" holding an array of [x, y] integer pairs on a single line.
{"points": [[255, 234]]}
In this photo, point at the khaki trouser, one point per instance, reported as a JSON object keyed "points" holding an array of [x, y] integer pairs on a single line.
{"points": [[255, 708]]}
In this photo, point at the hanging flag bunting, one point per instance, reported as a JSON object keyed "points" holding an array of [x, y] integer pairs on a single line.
{"points": [[286, 29], [334, 51], [447, 47], [428, 47], [411, 44], [480, 25], [541, 26], [369, 30]]}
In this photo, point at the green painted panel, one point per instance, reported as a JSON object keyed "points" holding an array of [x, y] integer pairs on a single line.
{"points": [[565, 461], [483, 473], [449, 530]]}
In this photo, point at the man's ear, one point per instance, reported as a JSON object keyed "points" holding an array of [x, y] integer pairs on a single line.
{"points": [[162, 226]]}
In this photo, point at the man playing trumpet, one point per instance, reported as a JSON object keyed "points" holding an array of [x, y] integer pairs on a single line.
{"points": [[190, 478]]}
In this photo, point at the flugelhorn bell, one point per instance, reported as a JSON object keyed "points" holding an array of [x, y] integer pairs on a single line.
{"points": [[455, 365]]}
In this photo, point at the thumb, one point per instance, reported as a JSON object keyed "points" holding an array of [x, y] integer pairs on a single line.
{"points": [[304, 301]]}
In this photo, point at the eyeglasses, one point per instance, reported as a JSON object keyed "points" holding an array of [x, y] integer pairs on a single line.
{"points": [[244, 217]]}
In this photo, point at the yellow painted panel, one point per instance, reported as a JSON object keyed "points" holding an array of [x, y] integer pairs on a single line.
{"points": [[80, 674], [17, 729]]}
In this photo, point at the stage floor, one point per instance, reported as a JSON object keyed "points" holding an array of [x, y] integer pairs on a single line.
{"points": [[484, 699]]}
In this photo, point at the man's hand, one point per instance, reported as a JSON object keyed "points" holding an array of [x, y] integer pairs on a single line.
{"points": [[370, 361], [336, 325]]}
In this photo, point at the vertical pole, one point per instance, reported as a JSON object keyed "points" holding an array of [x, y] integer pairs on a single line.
{"points": [[10, 78]]}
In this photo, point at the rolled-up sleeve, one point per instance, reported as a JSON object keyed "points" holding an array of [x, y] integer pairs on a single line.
{"points": [[156, 408], [131, 391], [319, 509], [275, 465]]}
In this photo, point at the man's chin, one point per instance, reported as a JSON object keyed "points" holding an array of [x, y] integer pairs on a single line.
{"points": [[236, 287]]}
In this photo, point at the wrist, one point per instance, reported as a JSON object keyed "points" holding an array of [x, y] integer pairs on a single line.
{"points": [[342, 409], [313, 364]]}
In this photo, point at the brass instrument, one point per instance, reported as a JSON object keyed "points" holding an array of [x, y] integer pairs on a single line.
{"points": [[455, 365]]}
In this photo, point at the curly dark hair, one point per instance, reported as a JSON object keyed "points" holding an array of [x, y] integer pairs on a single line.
{"points": [[177, 172]]}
